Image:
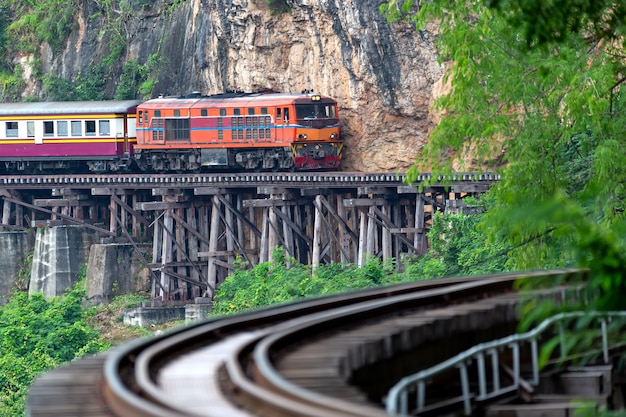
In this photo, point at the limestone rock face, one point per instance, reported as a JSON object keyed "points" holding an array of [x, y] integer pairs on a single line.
{"points": [[382, 75]]}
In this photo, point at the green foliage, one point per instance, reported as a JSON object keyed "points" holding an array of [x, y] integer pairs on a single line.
{"points": [[138, 79], [553, 115], [48, 21], [278, 6], [86, 87], [36, 335], [545, 22]]}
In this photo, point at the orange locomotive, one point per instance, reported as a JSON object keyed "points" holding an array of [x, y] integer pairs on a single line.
{"points": [[248, 131]]}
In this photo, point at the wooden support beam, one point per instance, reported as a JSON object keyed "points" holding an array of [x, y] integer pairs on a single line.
{"points": [[363, 202]]}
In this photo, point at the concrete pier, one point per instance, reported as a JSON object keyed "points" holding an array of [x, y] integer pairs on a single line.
{"points": [[14, 249]]}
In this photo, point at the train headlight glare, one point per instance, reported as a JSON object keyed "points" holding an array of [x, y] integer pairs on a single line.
{"points": [[333, 135], [301, 136], [316, 97]]}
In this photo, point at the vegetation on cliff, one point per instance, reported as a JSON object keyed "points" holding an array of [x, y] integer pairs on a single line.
{"points": [[538, 88]]}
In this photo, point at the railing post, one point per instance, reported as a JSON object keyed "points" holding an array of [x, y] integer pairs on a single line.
{"points": [[535, 359], [421, 395], [516, 364], [494, 369], [605, 341], [465, 388], [482, 383]]}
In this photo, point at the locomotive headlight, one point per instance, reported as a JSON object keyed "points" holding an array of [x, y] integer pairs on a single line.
{"points": [[333, 135], [316, 97], [301, 136]]}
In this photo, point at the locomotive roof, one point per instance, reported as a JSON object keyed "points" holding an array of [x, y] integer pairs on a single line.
{"points": [[243, 100], [69, 107]]}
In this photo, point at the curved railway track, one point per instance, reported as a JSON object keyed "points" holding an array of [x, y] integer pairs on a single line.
{"points": [[334, 356]]}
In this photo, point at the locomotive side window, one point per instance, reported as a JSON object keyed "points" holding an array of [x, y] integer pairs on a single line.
{"points": [[77, 128], [250, 111], [279, 114], [62, 128], [236, 112], [30, 129], [176, 113], [11, 130], [286, 112], [145, 117], [222, 112], [90, 127], [48, 128], [177, 129], [204, 112], [140, 117], [104, 128], [157, 113], [263, 110]]}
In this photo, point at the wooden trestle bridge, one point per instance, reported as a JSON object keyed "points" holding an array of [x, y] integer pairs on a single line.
{"points": [[201, 224]]}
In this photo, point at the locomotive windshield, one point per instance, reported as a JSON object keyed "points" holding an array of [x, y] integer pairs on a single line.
{"points": [[316, 114]]}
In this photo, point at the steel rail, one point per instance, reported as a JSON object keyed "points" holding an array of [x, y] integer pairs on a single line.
{"points": [[131, 372], [325, 179]]}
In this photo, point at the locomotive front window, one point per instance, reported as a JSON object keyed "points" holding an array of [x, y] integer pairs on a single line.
{"points": [[315, 111], [48, 128], [316, 115], [62, 128], [11, 130]]}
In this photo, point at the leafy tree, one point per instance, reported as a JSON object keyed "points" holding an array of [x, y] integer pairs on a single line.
{"points": [[36, 335], [538, 87]]}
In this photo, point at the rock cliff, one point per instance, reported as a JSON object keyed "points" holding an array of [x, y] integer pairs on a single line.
{"points": [[382, 75]]}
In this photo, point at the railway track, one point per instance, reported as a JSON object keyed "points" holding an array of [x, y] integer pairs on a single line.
{"points": [[327, 179], [335, 356]]}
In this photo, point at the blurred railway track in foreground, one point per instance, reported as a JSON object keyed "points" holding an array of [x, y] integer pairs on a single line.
{"points": [[333, 356]]}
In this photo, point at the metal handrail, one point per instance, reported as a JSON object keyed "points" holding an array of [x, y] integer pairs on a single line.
{"points": [[398, 396]]}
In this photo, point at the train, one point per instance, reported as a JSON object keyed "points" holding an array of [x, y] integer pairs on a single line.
{"points": [[182, 134]]}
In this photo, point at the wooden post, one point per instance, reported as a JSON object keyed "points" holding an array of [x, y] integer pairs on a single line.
{"points": [[419, 224], [113, 215], [263, 252], [371, 229], [288, 237], [136, 225], [386, 236], [157, 241], [166, 254], [230, 238], [213, 240], [180, 257], [6, 213], [362, 239], [317, 238], [272, 230], [192, 243], [256, 258]]}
